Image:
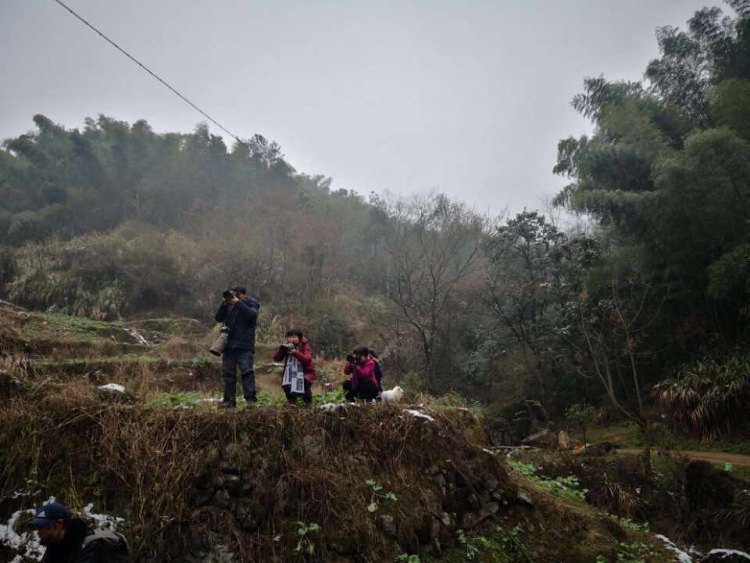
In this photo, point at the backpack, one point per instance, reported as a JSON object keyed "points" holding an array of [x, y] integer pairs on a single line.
{"points": [[113, 546], [378, 375]]}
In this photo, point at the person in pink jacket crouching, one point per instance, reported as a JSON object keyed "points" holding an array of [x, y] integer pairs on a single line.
{"points": [[363, 383]]}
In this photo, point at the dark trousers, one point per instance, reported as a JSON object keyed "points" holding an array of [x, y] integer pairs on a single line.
{"points": [[292, 397], [230, 359], [366, 391]]}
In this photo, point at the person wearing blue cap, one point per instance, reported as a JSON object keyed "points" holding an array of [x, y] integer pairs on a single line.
{"points": [[70, 540]]}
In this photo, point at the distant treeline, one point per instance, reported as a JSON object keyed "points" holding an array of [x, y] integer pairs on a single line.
{"points": [[116, 220]]}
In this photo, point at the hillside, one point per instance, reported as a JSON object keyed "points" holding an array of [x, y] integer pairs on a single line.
{"points": [[190, 483], [640, 309]]}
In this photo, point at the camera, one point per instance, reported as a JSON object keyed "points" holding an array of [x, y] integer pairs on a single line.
{"points": [[350, 358], [219, 344], [225, 329]]}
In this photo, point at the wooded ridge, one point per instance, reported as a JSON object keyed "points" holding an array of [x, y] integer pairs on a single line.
{"points": [[648, 306]]}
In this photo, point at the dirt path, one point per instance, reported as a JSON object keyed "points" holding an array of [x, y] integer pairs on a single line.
{"points": [[738, 460]]}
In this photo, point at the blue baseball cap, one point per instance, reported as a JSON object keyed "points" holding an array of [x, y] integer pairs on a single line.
{"points": [[49, 514]]}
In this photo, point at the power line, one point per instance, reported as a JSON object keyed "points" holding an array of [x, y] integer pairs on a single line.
{"points": [[144, 67]]}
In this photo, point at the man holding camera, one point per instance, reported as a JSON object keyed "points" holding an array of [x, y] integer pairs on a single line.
{"points": [[239, 313]]}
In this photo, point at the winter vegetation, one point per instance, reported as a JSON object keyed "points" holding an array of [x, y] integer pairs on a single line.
{"points": [[116, 243]]}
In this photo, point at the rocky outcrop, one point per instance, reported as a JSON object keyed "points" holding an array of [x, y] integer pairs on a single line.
{"points": [[256, 490]]}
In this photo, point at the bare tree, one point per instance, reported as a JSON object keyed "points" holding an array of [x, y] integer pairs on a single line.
{"points": [[433, 247], [614, 340]]}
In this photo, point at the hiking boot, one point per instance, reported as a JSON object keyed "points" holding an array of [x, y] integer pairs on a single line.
{"points": [[251, 403], [227, 405]]}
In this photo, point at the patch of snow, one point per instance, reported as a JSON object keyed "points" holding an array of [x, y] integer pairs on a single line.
{"points": [[682, 557], [728, 552], [26, 543], [18, 494], [103, 521], [112, 387], [332, 406], [419, 414], [137, 336]]}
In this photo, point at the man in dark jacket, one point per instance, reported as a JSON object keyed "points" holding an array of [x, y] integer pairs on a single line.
{"points": [[239, 313], [70, 540]]}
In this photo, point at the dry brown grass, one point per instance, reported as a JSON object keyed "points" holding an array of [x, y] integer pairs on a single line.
{"points": [[141, 381], [707, 398], [158, 468], [71, 347], [178, 348], [301, 465], [20, 366], [616, 499]]}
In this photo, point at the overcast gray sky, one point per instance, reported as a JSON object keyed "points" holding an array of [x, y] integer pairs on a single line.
{"points": [[468, 98]]}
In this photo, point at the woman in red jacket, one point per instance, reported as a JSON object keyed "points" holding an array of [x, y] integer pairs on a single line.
{"points": [[299, 370], [364, 383]]}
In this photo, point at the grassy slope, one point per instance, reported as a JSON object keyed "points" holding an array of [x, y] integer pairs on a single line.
{"points": [[138, 457]]}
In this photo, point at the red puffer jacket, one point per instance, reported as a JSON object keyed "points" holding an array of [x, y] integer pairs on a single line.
{"points": [[361, 372], [304, 354]]}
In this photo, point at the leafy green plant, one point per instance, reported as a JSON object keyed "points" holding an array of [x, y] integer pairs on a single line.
{"points": [[336, 395], [266, 399], [407, 558], [502, 545], [199, 361], [521, 468], [511, 542], [564, 487], [472, 545], [629, 524], [567, 487], [376, 494], [629, 552], [306, 544]]}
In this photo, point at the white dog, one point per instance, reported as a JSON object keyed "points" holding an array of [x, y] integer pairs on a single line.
{"points": [[392, 396]]}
